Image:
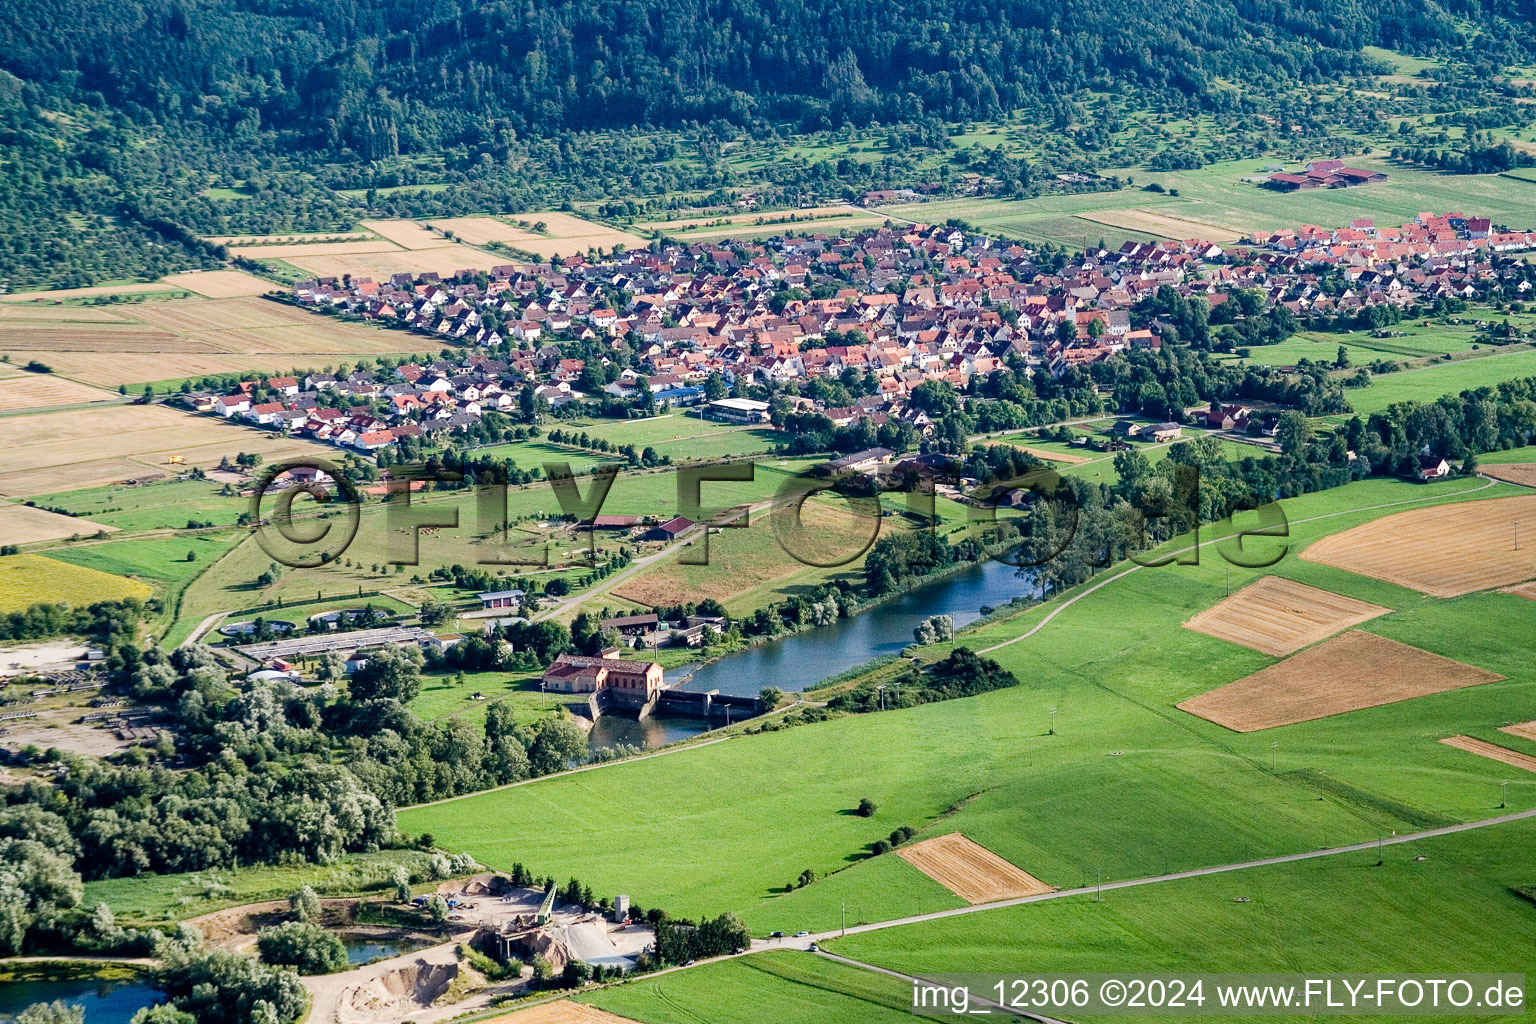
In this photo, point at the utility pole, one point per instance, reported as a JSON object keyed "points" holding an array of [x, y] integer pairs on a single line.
{"points": [[1053, 721], [1098, 891], [1503, 792], [845, 918], [1229, 581], [1378, 849], [1274, 755]]}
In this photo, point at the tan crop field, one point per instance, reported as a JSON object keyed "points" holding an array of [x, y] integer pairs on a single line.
{"points": [[1162, 224], [406, 233], [221, 284], [1277, 616], [191, 337], [57, 451], [443, 260], [562, 1012], [565, 234], [970, 871], [39, 391], [23, 524], [1357, 670], [1525, 730], [1522, 473], [1526, 590], [1041, 453], [39, 313], [1482, 748], [1446, 551]]}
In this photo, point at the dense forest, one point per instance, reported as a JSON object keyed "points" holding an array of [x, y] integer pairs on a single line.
{"points": [[129, 129], [382, 77]]}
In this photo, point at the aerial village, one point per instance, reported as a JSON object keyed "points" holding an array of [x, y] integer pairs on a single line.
{"points": [[903, 305]]}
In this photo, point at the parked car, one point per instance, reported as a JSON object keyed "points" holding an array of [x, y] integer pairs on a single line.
{"points": [[801, 935]]}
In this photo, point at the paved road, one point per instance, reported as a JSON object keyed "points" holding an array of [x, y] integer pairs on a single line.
{"points": [[975, 1000], [1333, 851]]}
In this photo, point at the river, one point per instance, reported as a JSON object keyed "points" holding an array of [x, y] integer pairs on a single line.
{"points": [[799, 661]]}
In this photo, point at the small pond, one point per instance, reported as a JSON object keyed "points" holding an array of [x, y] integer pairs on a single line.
{"points": [[105, 1002]]}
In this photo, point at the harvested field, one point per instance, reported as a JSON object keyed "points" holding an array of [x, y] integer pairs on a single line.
{"points": [[1357, 670], [22, 524], [1482, 748], [1525, 730], [38, 313], [972, 872], [56, 451], [1526, 590], [39, 391], [1522, 473], [406, 233], [187, 338], [565, 235], [1041, 453], [1446, 551], [60, 294], [283, 251], [444, 260], [561, 1012], [221, 284], [1277, 616], [1162, 224]]}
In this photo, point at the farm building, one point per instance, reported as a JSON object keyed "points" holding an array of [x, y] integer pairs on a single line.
{"points": [[631, 625], [738, 410], [669, 530], [859, 462], [500, 599]]}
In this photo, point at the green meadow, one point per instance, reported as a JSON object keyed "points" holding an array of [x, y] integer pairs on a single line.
{"points": [[792, 986], [1433, 905], [1220, 195], [1430, 382], [149, 899], [383, 534], [167, 506], [735, 822]]}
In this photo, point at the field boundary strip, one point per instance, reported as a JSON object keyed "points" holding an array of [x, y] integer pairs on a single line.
{"points": [[1492, 751]]}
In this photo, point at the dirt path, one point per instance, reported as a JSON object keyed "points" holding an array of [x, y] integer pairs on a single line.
{"points": [[203, 627]]}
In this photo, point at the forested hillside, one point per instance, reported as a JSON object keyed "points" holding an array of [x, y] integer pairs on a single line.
{"points": [[379, 76], [127, 129]]}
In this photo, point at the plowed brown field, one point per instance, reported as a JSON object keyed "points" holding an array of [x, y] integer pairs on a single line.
{"points": [[1357, 670], [1445, 551], [972, 872], [1482, 748], [1277, 616]]}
